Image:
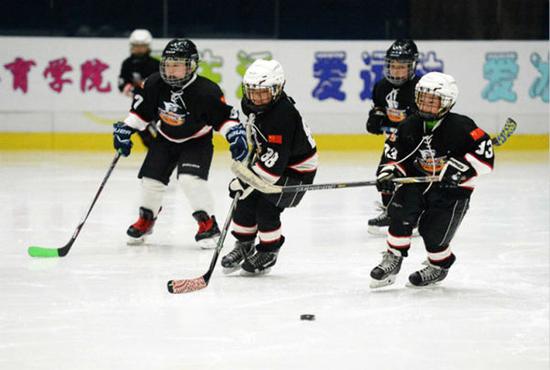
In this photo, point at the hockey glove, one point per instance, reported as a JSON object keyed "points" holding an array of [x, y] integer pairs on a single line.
{"points": [[236, 136], [384, 182], [238, 186], [453, 173], [375, 121], [121, 138]]}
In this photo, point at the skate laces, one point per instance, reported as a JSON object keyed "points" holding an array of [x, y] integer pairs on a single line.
{"points": [[430, 272], [241, 250], [389, 261], [261, 258]]}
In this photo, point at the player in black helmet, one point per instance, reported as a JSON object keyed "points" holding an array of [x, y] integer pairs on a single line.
{"points": [[393, 101], [185, 108]]}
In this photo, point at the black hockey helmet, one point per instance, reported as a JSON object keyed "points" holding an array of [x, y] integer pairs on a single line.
{"points": [[179, 62], [405, 53]]}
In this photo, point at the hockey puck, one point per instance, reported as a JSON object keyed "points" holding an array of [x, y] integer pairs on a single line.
{"points": [[307, 317]]}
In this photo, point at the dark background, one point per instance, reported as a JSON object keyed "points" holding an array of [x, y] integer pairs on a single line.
{"points": [[281, 19]]}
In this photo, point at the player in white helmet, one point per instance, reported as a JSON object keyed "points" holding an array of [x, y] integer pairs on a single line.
{"points": [[286, 154], [434, 141], [136, 68]]}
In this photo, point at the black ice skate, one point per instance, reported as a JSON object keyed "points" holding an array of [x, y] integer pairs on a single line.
{"points": [[141, 228], [231, 262], [209, 232], [384, 274], [379, 224], [429, 275], [259, 264]]}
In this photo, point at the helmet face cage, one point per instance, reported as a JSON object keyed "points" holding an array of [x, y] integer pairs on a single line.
{"points": [[403, 53], [392, 63], [428, 96], [179, 62], [264, 94]]}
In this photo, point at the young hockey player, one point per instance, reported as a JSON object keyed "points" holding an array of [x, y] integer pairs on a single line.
{"points": [[432, 142], [285, 155], [185, 108], [393, 99], [136, 68]]}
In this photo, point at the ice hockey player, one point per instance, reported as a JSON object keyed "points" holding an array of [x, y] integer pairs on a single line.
{"points": [[136, 68], [286, 154], [393, 99], [432, 142], [185, 108]]}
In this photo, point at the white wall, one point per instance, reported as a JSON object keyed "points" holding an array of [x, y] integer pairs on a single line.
{"points": [[511, 65]]}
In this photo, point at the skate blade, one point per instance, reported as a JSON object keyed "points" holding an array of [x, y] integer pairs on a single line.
{"points": [[135, 241], [375, 284], [377, 230], [427, 286], [259, 273], [209, 243], [230, 270]]}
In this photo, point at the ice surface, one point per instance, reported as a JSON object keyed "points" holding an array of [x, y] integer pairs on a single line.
{"points": [[105, 305]]}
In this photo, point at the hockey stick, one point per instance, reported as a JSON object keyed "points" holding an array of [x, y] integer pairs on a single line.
{"points": [[245, 174], [191, 285], [507, 131], [36, 251]]}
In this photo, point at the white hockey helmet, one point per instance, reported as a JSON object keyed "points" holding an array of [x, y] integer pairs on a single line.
{"points": [[266, 75], [141, 37], [438, 84]]}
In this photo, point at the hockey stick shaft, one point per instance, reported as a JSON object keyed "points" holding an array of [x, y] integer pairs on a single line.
{"points": [[36, 251], [246, 175]]}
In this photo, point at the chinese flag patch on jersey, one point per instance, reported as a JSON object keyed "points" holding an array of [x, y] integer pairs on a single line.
{"points": [[477, 134], [275, 139]]}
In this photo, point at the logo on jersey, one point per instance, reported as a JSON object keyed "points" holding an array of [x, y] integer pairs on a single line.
{"points": [[172, 114], [392, 111], [429, 163]]}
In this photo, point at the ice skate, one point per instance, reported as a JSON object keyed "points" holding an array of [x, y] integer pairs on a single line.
{"points": [[138, 231], [384, 274], [209, 232], [259, 264], [379, 225], [231, 262], [429, 275]]}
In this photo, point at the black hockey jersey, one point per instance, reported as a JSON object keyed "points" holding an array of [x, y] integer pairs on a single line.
{"points": [[284, 144], [392, 104], [421, 151], [135, 70], [181, 114]]}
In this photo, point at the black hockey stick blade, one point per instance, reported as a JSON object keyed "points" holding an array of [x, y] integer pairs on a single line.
{"points": [[507, 131], [44, 252], [201, 282]]}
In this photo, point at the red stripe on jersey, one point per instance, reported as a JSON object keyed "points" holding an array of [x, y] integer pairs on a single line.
{"points": [[275, 139], [477, 134]]}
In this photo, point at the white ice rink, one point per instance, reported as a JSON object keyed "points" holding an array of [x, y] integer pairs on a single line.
{"points": [[105, 305]]}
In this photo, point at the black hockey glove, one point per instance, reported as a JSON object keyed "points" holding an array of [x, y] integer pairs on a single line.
{"points": [[121, 138], [454, 172], [375, 121], [238, 186], [384, 182], [236, 136]]}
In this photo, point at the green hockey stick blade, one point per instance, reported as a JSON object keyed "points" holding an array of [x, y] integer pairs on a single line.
{"points": [[43, 252]]}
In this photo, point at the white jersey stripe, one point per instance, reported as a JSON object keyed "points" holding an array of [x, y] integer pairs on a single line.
{"points": [[247, 230], [270, 236]]}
